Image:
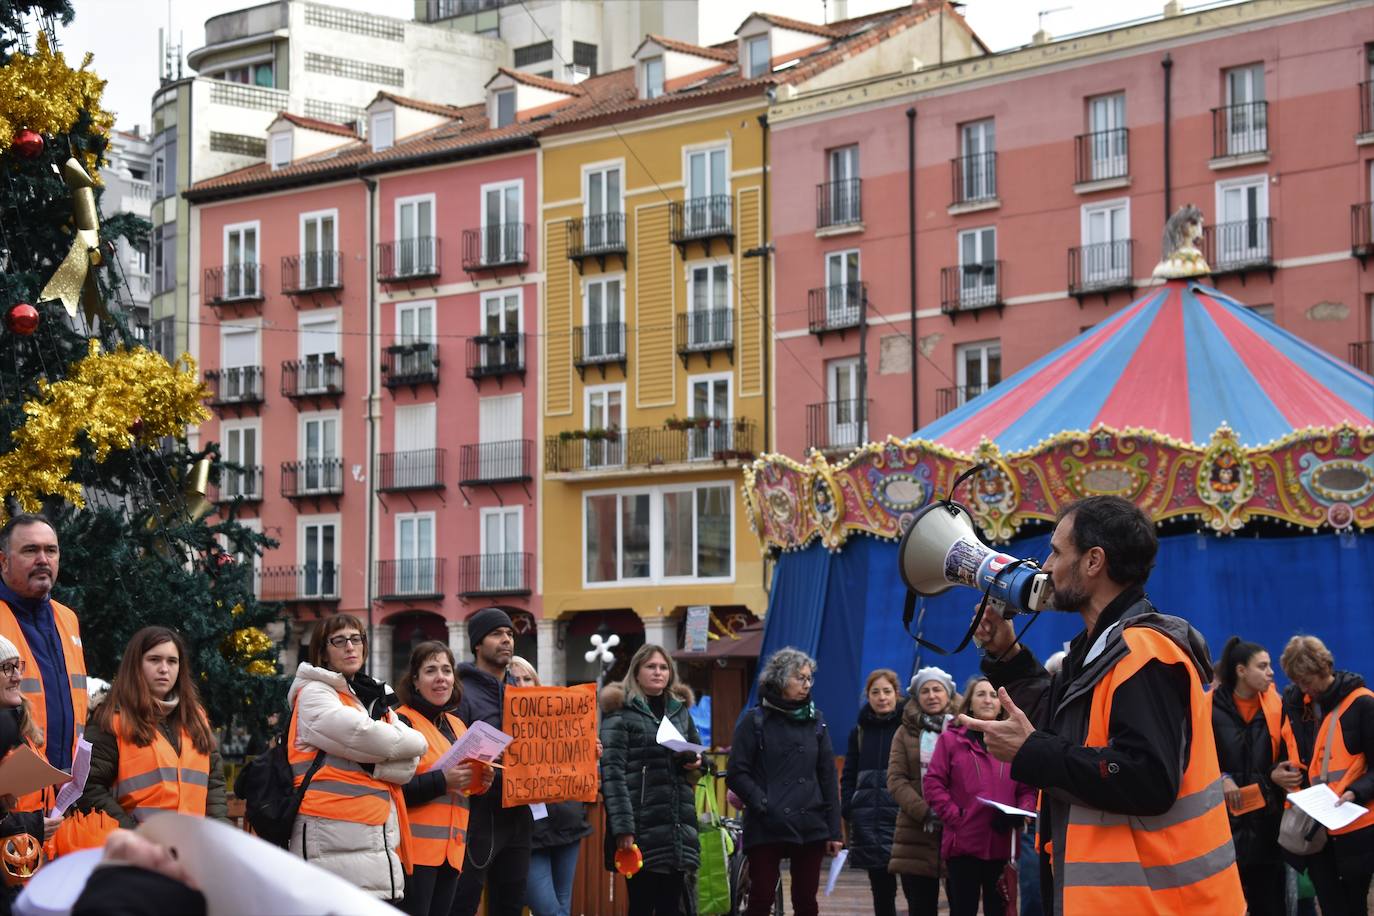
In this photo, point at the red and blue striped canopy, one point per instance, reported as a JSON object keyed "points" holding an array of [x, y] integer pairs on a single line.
{"points": [[1181, 360]]}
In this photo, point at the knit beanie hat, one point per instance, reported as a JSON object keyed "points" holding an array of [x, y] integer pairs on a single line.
{"points": [[486, 620], [932, 674], [7, 650]]}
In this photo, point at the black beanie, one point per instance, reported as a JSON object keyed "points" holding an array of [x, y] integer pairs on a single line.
{"points": [[483, 622]]}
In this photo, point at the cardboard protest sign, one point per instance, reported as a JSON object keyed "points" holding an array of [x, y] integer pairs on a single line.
{"points": [[552, 754]]}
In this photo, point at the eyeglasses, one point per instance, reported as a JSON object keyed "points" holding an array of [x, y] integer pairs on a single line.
{"points": [[803, 679], [12, 667], [340, 642]]}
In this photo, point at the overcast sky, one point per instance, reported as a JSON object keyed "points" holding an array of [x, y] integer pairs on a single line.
{"points": [[123, 33]]}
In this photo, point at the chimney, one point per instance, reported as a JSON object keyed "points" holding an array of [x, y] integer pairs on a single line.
{"points": [[1173, 8]]}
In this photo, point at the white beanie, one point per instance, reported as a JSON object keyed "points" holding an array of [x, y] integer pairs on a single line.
{"points": [[932, 674], [7, 650]]}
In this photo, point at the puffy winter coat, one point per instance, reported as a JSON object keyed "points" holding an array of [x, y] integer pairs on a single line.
{"points": [[961, 772], [784, 770], [648, 792], [865, 802], [1245, 751], [360, 853], [566, 823], [916, 837]]}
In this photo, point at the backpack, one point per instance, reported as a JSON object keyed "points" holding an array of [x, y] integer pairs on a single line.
{"points": [[271, 799]]}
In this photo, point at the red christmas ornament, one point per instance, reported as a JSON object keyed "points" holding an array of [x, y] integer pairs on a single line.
{"points": [[223, 559], [22, 319], [27, 144]]}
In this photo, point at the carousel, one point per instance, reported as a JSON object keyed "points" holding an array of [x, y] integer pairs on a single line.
{"points": [[1252, 450]]}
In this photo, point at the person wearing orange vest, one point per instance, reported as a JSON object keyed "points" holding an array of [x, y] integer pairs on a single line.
{"points": [[1247, 719], [16, 728], [437, 801], [1329, 708], [152, 748], [352, 819], [47, 635], [1120, 742]]}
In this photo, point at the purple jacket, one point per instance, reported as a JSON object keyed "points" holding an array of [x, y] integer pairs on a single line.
{"points": [[961, 772]]}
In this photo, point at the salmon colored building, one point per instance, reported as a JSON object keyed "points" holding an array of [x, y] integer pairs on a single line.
{"points": [[1037, 182]]}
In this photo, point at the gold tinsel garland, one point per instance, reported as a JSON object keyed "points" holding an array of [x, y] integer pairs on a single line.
{"points": [[39, 91], [244, 644], [109, 401]]}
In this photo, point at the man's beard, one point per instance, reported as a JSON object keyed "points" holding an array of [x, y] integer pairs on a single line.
{"points": [[1070, 597]]}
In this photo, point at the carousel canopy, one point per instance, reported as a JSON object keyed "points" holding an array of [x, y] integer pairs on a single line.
{"points": [[1181, 361]]}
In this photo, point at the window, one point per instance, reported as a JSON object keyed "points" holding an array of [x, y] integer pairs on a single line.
{"points": [[708, 192], [843, 196], [319, 246], [653, 77], [501, 330], [500, 424], [605, 413], [320, 368], [159, 275], [534, 54], [603, 211], [708, 320], [319, 577], [1246, 114], [414, 555], [322, 470], [757, 56], [159, 174], [844, 383], [281, 149], [241, 261], [502, 549], [1107, 140], [843, 289], [978, 367], [1242, 227], [503, 232], [1264, 311], [259, 74], [660, 534], [415, 236], [382, 130], [584, 58], [239, 348], [709, 398], [978, 160], [416, 462], [140, 258], [603, 338], [1106, 242], [414, 325], [503, 104], [977, 267], [241, 448]]}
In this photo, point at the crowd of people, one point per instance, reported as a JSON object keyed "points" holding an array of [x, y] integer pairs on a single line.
{"points": [[1128, 773]]}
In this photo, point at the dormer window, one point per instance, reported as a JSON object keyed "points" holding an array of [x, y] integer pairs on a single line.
{"points": [[281, 149], [382, 130], [653, 77], [504, 107], [758, 57]]}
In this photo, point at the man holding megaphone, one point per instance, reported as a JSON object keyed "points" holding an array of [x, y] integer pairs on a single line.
{"points": [[1132, 816]]}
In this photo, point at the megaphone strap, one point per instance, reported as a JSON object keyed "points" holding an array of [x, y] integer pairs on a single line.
{"points": [[909, 612]]}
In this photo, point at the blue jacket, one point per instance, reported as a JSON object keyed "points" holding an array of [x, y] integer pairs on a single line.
{"points": [[39, 626]]}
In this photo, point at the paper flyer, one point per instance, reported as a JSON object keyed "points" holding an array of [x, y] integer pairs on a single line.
{"points": [[1007, 809], [1320, 802], [70, 792], [479, 742], [672, 739], [836, 866]]}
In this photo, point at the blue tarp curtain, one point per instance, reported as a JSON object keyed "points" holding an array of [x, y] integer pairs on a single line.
{"points": [[845, 608]]}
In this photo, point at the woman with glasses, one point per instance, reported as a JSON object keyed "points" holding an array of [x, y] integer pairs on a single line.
{"points": [[152, 748], [351, 816], [783, 766]]}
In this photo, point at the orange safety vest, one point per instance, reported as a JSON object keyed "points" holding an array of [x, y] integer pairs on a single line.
{"points": [[438, 829], [1181, 861], [342, 790], [1345, 767], [69, 632], [157, 778], [1271, 707]]}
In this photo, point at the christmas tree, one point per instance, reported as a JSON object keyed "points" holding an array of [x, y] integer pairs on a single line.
{"points": [[92, 424]]}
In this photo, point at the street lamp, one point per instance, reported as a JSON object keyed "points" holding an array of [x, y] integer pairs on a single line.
{"points": [[603, 641]]}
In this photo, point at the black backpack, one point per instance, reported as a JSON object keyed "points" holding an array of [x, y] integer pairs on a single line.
{"points": [[270, 797]]}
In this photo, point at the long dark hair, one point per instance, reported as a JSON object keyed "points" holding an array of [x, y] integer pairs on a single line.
{"points": [[1236, 652], [422, 653], [138, 709]]}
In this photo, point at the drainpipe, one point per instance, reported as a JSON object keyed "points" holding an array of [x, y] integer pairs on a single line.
{"points": [[911, 259], [1168, 64], [370, 248], [767, 321]]}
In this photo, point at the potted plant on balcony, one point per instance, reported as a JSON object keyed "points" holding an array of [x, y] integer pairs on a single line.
{"points": [[612, 434], [674, 423]]}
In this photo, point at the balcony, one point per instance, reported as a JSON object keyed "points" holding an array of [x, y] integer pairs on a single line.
{"points": [[680, 442], [495, 574], [496, 246], [1239, 247], [947, 399], [496, 462], [702, 219], [238, 386], [598, 236], [312, 582], [971, 288], [242, 484], [315, 377], [835, 308], [236, 284], [837, 425], [312, 477], [1366, 134], [398, 580], [599, 345], [495, 355], [1101, 160], [1360, 354], [1100, 268], [1361, 236], [408, 259], [411, 364], [312, 272], [706, 331], [975, 182], [839, 204], [435, 10], [1240, 134], [422, 469]]}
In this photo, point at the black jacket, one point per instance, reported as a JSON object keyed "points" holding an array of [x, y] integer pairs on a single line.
{"points": [[1245, 752], [14, 823], [864, 800], [100, 795], [424, 788], [648, 791], [784, 771], [566, 823]]}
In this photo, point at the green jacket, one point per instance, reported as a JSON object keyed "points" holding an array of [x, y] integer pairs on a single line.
{"points": [[99, 792], [647, 792]]}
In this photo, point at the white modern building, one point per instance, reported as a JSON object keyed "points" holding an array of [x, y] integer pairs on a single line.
{"points": [[128, 190]]}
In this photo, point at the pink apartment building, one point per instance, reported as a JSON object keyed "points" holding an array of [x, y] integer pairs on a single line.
{"points": [[1042, 179]]}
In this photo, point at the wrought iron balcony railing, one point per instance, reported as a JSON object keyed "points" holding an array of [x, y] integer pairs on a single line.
{"points": [[946, 399], [496, 462], [312, 477], [408, 259], [492, 355], [839, 203], [420, 577], [701, 218], [410, 364], [598, 234], [312, 582], [834, 308], [422, 469], [1240, 130], [243, 483], [1239, 245], [312, 377], [497, 245], [697, 439], [495, 574], [841, 424], [974, 178], [1360, 354], [1100, 267], [235, 385], [969, 287], [314, 271], [595, 344], [705, 330], [1101, 155], [233, 283]]}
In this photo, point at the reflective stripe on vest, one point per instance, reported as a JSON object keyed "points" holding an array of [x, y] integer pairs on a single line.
{"points": [[69, 634], [341, 789], [157, 777], [1181, 861], [1345, 767], [439, 828]]}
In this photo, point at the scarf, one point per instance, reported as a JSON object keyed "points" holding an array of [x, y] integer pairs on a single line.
{"points": [[803, 710], [374, 695]]}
